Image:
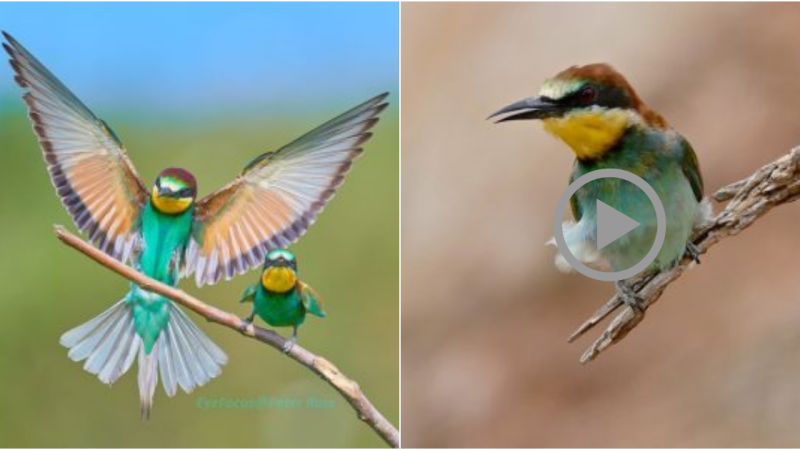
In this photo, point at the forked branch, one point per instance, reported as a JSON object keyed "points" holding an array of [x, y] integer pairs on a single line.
{"points": [[774, 184], [348, 388]]}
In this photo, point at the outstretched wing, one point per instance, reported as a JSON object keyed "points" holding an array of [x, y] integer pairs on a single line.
{"points": [[86, 161], [277, 197]]}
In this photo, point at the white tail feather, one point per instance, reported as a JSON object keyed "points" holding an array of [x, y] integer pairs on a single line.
{"points": [[148, 379], [106, 342], [183, 355]]}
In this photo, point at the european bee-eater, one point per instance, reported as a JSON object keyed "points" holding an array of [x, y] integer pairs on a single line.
{"points": [[596, 112], [166, 233], [280, 298]]}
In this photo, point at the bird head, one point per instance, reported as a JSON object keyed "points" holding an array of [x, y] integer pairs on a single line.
{"points": [[280, 271], [174, 192], [588, 107]]}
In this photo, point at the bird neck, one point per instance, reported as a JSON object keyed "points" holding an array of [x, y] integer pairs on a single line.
{"points": [[164, 237], [590, 133], [279, 279]]}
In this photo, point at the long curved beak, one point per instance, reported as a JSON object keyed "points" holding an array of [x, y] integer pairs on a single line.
{"points": [[529, 109]]}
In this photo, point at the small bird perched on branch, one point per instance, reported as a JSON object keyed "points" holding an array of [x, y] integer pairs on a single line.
{"points": [[595, 111], [166, 233], [280, 298]]}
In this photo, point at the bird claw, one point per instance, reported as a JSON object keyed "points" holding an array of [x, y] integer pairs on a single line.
{"points": [[629, 297], [693, 252], [246, 322], [289, 345]]}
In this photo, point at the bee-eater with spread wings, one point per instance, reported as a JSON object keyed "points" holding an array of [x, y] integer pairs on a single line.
{"points": [[166, 233]]}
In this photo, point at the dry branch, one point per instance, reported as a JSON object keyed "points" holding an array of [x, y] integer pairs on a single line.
{"points": [[348, 388], [774, 184]]}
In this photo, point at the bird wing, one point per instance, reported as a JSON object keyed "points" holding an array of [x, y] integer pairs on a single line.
{"points": [[87, 163], [249, 294], [573, 201], [310, 299], [277, 197], [691, 169]]}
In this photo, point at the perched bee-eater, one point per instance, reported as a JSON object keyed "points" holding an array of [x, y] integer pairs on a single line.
{"points": [[596, 112], [165, 233], [280, 298]]}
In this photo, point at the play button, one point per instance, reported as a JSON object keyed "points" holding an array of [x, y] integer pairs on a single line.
{"points": [[611, 225]]}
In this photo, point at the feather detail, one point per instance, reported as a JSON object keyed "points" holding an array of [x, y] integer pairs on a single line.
{"points": [[277, 197], [87, 164]]}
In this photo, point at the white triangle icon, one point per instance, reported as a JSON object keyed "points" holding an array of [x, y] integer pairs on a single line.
{"points": [[611, 224]]}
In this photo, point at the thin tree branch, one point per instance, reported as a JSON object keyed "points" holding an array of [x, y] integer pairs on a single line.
{"points": [[348, 388], [774, 184]]}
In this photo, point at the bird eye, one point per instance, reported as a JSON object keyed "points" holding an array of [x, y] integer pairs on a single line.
{"points": [[587, 95]]}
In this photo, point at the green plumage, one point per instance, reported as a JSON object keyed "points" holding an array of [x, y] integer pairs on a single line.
{"points": [[283, 309], [164, 238], [667, 162], [596, 112]]}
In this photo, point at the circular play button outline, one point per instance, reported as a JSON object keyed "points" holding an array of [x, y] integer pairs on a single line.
{"points": [[661, 225]]}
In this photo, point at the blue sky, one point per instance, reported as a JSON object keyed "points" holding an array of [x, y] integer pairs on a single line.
{"points": [[210, 56]]}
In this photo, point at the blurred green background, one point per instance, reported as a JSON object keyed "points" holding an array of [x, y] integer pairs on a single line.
{"points": [[207, 88]]}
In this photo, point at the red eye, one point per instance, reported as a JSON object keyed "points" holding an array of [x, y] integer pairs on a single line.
{"points": [[587, 94]]}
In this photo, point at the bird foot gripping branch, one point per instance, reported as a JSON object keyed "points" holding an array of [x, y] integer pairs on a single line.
{"points": [[749, 199]]}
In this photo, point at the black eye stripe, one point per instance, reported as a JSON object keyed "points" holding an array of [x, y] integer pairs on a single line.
{"points": [[185, 192], [607, 97], [586, 95]]}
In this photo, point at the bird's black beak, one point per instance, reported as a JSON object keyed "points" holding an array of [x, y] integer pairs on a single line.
{"points": [[165, 192], [530, 108]]}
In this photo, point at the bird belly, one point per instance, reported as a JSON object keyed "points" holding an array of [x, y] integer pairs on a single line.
{"points": [[280, 310], [681, 210], [680, 206], [164, 238]]}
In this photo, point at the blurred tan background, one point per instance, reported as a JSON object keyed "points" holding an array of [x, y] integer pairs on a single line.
{"points": [[485, 313]]}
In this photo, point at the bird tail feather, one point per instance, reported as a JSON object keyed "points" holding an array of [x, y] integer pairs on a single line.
{"points": [[183, 355], [108, 343], [581, 244], [148, 379]]}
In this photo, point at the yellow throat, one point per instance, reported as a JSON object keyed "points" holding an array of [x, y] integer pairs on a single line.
{"points": [[279, 279], [589, 133], [169, 205]]}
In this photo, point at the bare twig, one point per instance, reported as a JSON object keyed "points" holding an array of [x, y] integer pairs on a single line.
{"points": [[348, 388], [774, 184]]}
